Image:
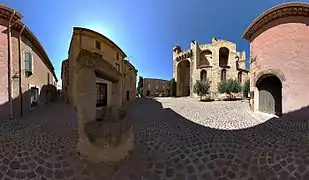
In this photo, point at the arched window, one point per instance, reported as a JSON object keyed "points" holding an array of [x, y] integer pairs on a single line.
{"points": [[203, 75], [223, 75], [205, 57], [240, 77], [223, 56]]}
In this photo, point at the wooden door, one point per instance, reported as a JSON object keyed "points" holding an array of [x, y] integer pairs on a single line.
{"points": [[267, 102], [270, 96]]}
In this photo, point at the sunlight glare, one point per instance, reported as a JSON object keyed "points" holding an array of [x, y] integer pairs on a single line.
{"points": [[105, 30]]}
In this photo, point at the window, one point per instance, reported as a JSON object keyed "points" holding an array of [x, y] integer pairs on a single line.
{"points": [[157, 86], [223, 75], [223, 56], [117, 66], [240, 77], [203, 75], [98, 44], [28, 64], [117, 56], [148, 85], [48, 78], [101, 94]]}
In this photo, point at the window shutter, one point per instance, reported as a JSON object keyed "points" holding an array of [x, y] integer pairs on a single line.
{"points": [[28, 63]]}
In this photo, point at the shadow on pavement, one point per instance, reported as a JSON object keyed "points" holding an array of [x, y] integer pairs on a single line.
{"points": [[169, 146]]}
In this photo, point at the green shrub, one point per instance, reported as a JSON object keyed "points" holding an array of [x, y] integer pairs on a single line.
{"points": [[246, 88], [201, 88], [140, 86], [167, 90], [172, 87], [229, 86]]}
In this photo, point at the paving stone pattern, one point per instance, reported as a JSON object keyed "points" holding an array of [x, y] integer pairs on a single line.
{"points": [[42, 146], [167, 145]]}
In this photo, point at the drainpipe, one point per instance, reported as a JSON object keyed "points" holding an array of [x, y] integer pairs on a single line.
{"points": [[10, 66], [19, 70]]}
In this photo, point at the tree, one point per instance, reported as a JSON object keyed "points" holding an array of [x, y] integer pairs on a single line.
{"points": [[201, 88], [229, 86], [140, 86], [246, 88], [167, 90], [172, 87]]}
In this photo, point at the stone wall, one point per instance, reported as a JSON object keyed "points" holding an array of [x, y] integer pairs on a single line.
{"points": [[213, 69], [155, 86], [129, 82], [42, 72], [282, 50], [111, 139]]}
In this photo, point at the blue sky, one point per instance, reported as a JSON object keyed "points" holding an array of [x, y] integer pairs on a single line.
{"points": [[145, 30]]}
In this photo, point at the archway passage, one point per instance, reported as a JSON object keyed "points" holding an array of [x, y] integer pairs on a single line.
{"points": [[270, 94], [183, 78]]}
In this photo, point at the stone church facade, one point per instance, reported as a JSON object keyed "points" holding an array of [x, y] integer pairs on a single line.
{"points": [[217, 61]]}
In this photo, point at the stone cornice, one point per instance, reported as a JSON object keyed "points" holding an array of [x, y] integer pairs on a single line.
{"points": [[184, 55], [130, 65], [89, 59], [80, 30], [6, 13], [277, 12]]}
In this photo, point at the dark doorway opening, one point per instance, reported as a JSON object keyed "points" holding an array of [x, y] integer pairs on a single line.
{"points": [[147, 93], [128, 95], [270, 94], [183, 78]]}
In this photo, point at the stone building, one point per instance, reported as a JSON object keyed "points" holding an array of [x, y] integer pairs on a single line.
{"points": [[217, 61], [65, 80], [279, 58], [154, 87], [27, 77], [88, 40], [100, 82], [129, 74]]}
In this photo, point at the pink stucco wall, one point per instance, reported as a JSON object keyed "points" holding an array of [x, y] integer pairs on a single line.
{"points": [[283, 45], [3, 67]]}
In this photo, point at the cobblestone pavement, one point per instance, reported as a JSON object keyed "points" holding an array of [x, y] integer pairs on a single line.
{"points": [[41, 146], [167, 145], [216, 114]]}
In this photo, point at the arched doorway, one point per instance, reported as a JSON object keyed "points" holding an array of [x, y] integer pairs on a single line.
{"points": [[183, 78], [270, 94]]}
